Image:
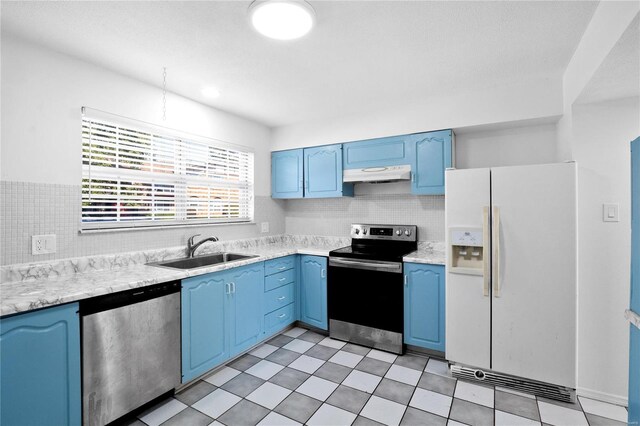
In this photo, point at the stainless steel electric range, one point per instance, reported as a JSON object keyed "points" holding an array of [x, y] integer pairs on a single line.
{"points": [[365, 286]]}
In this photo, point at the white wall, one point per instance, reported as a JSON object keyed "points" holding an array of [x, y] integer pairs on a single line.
{"points": [[506, 147], [602, 133], [530, 100], [42, 92], [40, 152]]}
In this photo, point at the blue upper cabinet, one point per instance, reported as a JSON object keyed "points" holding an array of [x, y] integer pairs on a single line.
{"points": [[286, 174], [382, 152], [204, 324], [247, 288], [432, 155], [40, 367], [313, 291], [323, 172], [424, 302]]}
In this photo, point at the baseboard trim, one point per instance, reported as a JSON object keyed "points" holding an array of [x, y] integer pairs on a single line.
{"points": [[602, 396]]}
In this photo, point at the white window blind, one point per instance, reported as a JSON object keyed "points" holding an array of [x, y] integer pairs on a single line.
{"points": [[134, 176]]}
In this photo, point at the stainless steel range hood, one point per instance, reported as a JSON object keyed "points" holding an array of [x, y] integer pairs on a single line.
{"points": [[378, 174]]}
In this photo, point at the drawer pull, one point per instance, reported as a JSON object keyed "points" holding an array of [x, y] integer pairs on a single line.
{"points": [[282, 315], [282, 279], [282, 298], [282, 268]]}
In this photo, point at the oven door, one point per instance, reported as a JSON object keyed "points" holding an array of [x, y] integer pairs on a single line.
{"points": [[365, 302]]}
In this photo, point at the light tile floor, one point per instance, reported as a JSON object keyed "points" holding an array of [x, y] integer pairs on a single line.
{"points": [[301, 377]]}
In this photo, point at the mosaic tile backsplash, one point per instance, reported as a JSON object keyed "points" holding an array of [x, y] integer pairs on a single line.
{"points": [[333, 216], [35, 208]]}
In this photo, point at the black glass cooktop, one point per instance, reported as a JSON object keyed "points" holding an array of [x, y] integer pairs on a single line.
{"points": [[385, 252]]}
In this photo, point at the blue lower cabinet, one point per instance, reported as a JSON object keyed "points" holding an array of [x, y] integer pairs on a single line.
{"points": [[313, 291], [221, 317], [247, 288], [424, 294], [204, 324], [40, 367]]}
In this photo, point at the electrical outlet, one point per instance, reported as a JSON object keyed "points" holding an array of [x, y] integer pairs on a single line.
{"points": [[43, 244], [264, 227]]}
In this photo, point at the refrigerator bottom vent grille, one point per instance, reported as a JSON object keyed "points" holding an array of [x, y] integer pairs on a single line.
{"points": [[544, 390]]}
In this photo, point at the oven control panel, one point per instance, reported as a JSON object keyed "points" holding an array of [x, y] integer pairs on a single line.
{"points": [[385, 232]]}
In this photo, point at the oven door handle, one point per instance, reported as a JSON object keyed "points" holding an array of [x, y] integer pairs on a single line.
{"points": [[393, 267]]}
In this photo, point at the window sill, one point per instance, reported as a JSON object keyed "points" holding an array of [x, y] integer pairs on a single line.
{"points": [[156, 227]]}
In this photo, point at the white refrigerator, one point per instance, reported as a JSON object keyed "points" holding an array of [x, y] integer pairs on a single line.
{"points": [[511, 271]]}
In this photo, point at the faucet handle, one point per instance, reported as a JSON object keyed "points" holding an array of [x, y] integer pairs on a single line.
{"points": [[190, 242]]}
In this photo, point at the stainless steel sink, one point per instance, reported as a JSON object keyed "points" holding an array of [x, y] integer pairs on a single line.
{"points": [[202, 261]]}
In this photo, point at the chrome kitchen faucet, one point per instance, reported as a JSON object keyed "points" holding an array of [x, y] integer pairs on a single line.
{"points": [[191, 247]]}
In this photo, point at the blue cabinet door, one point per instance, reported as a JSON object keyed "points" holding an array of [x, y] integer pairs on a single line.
{"points": [[204, 324], [634, 346], [313, 289], [323, 172], [40, 367], [432, 155], [247, 288], [424, 306], [382, 152], [286, 174]]}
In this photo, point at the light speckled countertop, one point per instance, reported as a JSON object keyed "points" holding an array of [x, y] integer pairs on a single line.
{"points": [[34, 286], [431, 252]]}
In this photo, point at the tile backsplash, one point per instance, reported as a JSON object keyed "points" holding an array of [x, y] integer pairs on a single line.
{"points": [[37, 208], [333, 216], [29, 209]]}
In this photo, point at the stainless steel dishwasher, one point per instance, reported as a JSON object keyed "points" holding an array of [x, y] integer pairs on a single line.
{"points": [[130, 350]]}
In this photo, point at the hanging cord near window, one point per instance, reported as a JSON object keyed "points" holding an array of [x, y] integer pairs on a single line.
{"points": [[164, 94]]}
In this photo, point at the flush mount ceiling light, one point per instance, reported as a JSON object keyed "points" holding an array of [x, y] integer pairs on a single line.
{"points": [[282, 19]]}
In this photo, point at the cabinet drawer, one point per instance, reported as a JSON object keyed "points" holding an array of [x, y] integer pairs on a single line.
{"points": [[278, 280], [280, 264], [278, 298], [279, 319]]}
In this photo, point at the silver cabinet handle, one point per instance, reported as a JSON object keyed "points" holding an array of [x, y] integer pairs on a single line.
{"points": [[282, 279], [282, 268], [406, 281], [323, 273], [227, 288], [232, 285], [282, 298], [282, 315]]}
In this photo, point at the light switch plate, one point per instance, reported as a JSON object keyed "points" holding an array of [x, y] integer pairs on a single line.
{"points": [[43, 244], [610, 213]]}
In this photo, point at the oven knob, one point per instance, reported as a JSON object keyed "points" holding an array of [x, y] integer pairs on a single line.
{"points": [[364, 231], [407, 232], [357, 231], [398, 232]]}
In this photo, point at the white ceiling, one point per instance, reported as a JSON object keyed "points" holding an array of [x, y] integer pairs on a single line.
{"points": [[361, 55], [619, 74]]}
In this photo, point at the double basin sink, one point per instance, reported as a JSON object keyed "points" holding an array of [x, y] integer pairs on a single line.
{"points": [[202, 261]]}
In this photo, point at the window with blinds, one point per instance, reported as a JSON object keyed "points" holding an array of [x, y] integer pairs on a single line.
{"points": [[134, 176]]}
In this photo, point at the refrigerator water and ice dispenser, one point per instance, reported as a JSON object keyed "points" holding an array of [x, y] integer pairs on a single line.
{"points": [[466, 251]]}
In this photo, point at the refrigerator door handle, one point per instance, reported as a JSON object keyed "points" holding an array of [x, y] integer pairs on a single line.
{"points": [[495, 248], [486, 274]]}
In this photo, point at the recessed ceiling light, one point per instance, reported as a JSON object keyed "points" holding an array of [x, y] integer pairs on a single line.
{"points": [[282, 19], [210, 92]]}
